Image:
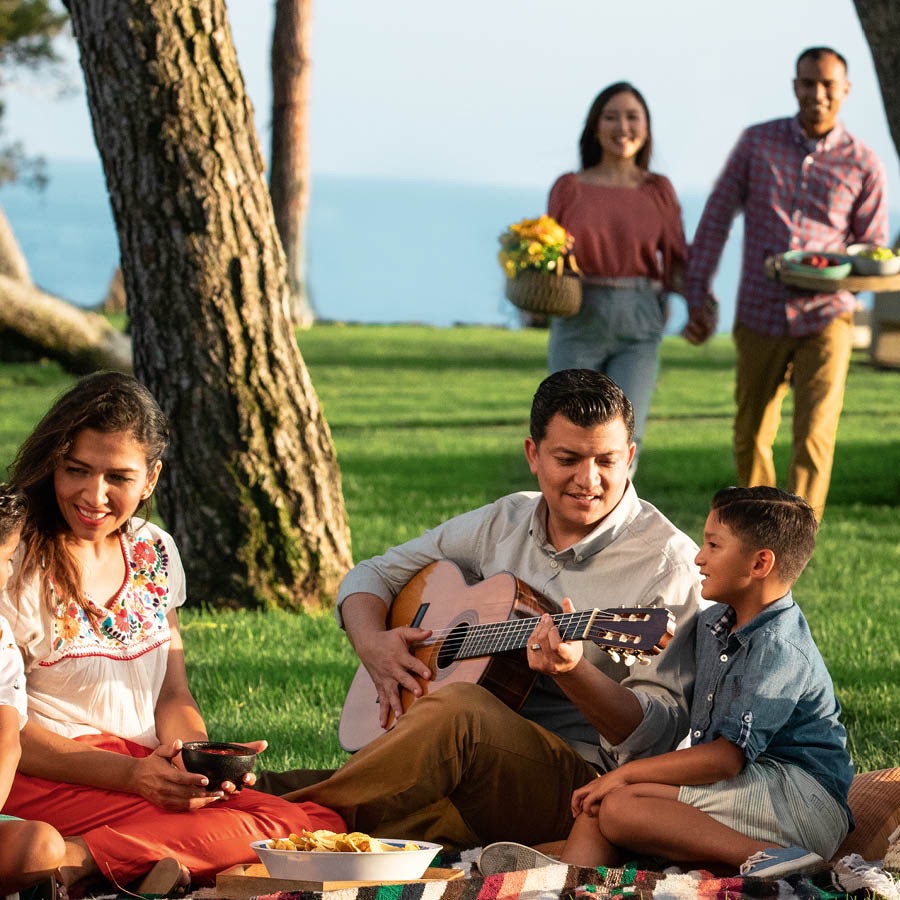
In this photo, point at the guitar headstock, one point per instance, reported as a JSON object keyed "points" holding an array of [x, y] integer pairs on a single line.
{"points": [[631, 635]]}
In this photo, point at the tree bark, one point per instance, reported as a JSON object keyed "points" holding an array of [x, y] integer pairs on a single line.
{"points": [[881, 25], [251, 488], [289, 177], [80, 341]]}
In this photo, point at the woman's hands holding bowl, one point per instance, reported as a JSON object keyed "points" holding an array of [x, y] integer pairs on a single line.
{"points": [[162, 779], [226, 766]]}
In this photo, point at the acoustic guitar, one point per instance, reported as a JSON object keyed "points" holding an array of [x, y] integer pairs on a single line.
{"points": [[478, 633]]}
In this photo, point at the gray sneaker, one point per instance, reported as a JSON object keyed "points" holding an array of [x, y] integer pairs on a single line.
{"points": [[506, 856]]}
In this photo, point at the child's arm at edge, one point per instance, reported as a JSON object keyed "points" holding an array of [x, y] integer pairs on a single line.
{"points": [[10, 749]]}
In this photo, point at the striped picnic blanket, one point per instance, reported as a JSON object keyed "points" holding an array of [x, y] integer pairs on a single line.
{"points": [[572, 883]]}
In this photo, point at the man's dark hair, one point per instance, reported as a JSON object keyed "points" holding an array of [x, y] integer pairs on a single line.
{"points": [[585, 397], [766, 518], [13, 509], [816, 53]]}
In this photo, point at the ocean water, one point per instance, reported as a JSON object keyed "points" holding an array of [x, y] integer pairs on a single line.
{"points": [[379, 251]]}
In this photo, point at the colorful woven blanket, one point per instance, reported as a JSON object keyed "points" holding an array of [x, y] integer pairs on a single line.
{"points": [[572, 883]]}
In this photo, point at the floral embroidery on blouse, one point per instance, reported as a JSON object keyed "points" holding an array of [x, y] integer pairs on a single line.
{"points": [[133, 622]]}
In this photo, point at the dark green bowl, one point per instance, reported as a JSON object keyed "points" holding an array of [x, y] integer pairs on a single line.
{"points": [[840, 266]]}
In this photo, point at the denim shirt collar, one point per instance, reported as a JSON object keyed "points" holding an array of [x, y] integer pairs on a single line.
{"points": [[721, 627], [604, 533]]}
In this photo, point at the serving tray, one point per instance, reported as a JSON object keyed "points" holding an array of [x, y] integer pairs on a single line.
{"points": [[245, 881], [809, 282]]}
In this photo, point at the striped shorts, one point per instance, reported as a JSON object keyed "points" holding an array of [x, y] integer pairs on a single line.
{"points": [[774, 802]]}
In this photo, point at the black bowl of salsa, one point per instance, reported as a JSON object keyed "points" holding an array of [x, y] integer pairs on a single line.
{"points": [[219, 761]]}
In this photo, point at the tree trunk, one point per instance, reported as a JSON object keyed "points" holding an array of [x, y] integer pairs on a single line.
{"points": [[80, 341], [251, 487], [289, 177], [881, 24], [12, 259]]}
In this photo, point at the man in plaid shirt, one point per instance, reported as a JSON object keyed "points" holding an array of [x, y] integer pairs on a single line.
{"points": [[803, 183]]}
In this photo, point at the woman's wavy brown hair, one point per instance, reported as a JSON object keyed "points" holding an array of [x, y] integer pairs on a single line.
{"points": [[107, 402]]}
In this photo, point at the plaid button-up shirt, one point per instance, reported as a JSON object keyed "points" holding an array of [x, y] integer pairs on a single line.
{"points": [[796, 193]]}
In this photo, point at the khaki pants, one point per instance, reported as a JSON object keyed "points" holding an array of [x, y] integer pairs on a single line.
{"points": [[816, 367], [460, 769]]}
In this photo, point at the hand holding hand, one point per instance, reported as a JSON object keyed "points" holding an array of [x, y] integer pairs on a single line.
{"points": [[702, 322]]}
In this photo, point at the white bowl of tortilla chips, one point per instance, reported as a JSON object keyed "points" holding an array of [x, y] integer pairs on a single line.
{"points": [[327, 856]]}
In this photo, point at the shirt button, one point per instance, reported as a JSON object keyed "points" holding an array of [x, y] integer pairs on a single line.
{"points": [[723, 657], [554, 564], [709, 697], [698, 734]]}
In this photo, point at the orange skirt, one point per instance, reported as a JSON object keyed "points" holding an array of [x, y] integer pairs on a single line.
{"points": [[126, 834]]}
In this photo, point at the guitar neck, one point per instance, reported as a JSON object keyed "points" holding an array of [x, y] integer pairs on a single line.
{"points": [[498, 637]]}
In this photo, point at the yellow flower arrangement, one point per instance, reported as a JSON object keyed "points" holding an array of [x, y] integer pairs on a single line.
{"points": [[537, 244]]}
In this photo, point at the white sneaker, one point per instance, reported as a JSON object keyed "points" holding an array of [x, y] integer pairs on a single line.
{"points": [[852, 873], [507, 856]]}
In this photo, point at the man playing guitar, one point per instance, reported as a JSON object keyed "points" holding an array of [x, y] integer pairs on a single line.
{"points": [[460, 767]]}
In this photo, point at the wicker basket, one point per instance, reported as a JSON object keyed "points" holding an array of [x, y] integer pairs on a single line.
{"points": [[551, 293]]}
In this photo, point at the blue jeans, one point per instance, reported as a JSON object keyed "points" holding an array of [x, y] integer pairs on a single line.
{"points": [[617, 332]]}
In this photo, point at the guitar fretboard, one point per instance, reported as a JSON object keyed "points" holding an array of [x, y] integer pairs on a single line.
{"points": [[496, 637]]}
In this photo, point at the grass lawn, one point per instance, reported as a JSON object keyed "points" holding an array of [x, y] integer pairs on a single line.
{"points": [[430, 422]]}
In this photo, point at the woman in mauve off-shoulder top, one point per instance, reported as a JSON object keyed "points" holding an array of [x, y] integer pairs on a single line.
{"points": [[629, 243]]}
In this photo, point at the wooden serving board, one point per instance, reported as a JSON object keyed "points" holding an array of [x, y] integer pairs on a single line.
{"points": [[245, 881], [809, 282]]}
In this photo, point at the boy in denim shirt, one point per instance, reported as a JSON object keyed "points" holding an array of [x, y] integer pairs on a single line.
{"points": [[29, 851], [763, 786]]}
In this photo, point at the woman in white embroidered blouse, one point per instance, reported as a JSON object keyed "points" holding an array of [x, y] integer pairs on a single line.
{"points": [[93, 607]]}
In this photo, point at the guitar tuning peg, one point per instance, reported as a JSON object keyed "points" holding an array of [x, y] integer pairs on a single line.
{"points": [[630, 659], [614, 656], [643, 660]]}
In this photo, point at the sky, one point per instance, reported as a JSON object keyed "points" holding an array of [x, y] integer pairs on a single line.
{"points": [[495, 91]]}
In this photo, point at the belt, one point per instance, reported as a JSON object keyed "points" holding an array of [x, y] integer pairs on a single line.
{"points": [[628, 283]]}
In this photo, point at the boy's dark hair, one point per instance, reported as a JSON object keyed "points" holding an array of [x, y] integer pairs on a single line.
{"points": [[13, 509], [816, 53], [585, 397], [771, 519]]}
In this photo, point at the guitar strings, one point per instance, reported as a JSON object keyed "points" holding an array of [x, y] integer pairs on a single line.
{"points": [[515, 632]]}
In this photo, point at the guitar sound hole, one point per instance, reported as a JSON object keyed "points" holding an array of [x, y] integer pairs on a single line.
{"points": [[450, 647]]}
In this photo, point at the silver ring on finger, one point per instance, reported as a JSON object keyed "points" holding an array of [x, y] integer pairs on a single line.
{"points": [[535, 647]]}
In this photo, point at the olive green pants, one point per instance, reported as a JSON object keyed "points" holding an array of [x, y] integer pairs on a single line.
{"points": [[460, 769]]}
